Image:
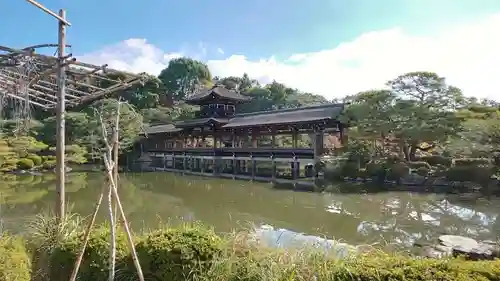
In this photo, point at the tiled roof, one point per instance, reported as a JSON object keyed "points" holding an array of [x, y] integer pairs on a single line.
{"points": [[201, 121], [217, 90], [167, 128], [286, 116]]}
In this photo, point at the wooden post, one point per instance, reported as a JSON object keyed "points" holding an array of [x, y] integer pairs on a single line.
{"points": [[60, 119], [254, 166], [233, 138], [273, 167], [254, 139], [273, 137], [295, 138], [318, 148]]}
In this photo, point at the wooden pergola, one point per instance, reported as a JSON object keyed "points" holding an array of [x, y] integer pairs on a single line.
{"points": [[57, 83], [38, 86]]}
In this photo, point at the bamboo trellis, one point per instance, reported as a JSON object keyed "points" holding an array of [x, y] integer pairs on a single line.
{"points": [[84, 82]]}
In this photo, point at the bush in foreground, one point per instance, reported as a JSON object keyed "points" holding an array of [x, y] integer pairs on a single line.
{"points": [[177, 253], [373, 267], [15, 264], [95, 260], [196, 253]]}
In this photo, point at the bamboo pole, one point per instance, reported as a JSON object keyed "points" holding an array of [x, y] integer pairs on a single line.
{"points": [[130, 241], [87, 236], [108, 162]]}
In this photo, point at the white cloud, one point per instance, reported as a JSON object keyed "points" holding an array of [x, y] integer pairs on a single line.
{"points": [[220, 51], [468, 55]]}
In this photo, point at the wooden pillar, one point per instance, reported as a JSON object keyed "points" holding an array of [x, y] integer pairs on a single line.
{"points": [[295, 138], [318, 148], [254, 166], [234, 165], [295, 167], [60, 120], [273, 168], [273, 137], [318, 142], [233, 138], [184, 161], [255, 135]]}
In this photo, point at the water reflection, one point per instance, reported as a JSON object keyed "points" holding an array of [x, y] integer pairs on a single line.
{"points": [[393, 217]]}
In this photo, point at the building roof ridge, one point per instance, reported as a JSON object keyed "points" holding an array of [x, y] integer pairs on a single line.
{"points": [[328, 105]]}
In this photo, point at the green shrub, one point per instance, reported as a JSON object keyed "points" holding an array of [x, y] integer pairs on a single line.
{"points": [[472, 161], [435, 160], [477, 174], [48, 157], [370, 267], [25, 164], [423, 171], [398, 171], [349, 169], [377, 170], [15, 264], [419, 164], [403, 268], [49, 164], [173, 254], [37, 160], [9, 165], [95, 260]]}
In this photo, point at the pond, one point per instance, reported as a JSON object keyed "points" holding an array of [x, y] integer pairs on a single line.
{"points": [[151, 198]]}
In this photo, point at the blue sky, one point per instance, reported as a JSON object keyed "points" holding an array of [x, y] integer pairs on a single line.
{"points": [[256, 29]]}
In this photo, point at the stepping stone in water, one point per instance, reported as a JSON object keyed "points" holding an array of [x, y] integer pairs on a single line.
{"points": [[458, 241]]}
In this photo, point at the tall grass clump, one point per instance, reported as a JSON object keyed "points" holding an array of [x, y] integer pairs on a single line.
{"points": [[15, 264], [44, 234]]}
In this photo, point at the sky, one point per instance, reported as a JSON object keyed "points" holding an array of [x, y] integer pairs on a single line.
{"points": [[328, 47]]}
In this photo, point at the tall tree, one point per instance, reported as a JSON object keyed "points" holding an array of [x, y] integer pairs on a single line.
{"points": [[424, 111], [183, 76], [147, 95], [241, 84]]}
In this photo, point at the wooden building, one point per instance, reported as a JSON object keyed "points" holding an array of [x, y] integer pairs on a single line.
{"points": [[220, 142]]}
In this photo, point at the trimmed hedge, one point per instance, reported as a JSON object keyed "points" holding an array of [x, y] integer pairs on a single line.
{"points": [[15, 264], [435, 160], [176, 254], [25, 164], [37, 160]]}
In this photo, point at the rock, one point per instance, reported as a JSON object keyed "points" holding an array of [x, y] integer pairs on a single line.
{"points": [[446, 250], [431, 252], [483, 251], [489, 242], [453, 241]]}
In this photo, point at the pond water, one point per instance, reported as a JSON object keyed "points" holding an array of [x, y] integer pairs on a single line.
{"points": [[150, 198]]}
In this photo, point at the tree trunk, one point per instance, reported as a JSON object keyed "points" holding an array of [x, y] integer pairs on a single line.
{"points": [[406, 151], [413, 152]]}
